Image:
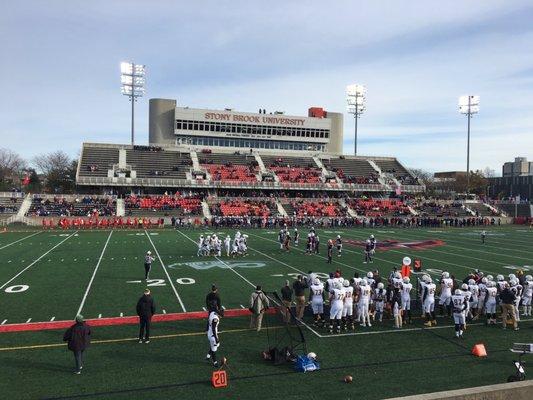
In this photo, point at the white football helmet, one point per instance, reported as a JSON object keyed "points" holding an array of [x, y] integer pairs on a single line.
{"points": [[458, 291], [511, 276], [363, 282], [398, 275], [529, 278], [425, 278], [490, 278], [429, 279], [472, 282], [338, 236], [371, 236], [370, 275], [406, 279], [445, 275], [345, 283], [149, 252], [464, 286], [500, 278], [514, 282], [484, 281], [380, 285], [316, 281]]}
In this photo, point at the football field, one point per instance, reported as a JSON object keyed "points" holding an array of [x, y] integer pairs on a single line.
{"points": [[50, 276]]}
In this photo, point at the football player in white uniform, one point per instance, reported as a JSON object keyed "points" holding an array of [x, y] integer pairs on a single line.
{"points": [[482, 286], [212, 337], [490, 302], [397, 280], [200, 246], [364, 303], [474, 298], [516, 289], [459, 305], [468, 295], [446, 286], [406, 298], [379, 301], [227, 245], [527, 295], [347, 311], [316, 291], [336, 301], [428, 301], [296, 236]]}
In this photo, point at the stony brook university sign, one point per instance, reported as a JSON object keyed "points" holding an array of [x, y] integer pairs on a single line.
{"points": [[203, 265], [396, 244], [254, 119]]}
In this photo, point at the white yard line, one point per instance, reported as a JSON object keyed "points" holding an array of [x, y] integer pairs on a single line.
{"points": [[20, 240], [410, 329], [93, 275], [166, 272], [36, 261]]}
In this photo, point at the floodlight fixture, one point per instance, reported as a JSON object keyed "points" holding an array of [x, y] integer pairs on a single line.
{"points": [[356, 101], [133, 82], [468, 105]]}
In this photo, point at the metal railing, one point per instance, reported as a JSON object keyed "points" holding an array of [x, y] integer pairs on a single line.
{"points": [[170, 182]]}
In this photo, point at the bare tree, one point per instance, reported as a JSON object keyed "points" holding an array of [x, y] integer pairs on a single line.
{"points": [[11, 166], [55, 161], [59, 171], [489, 172]]}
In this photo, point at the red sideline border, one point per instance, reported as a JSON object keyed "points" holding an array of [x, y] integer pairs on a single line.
{"points": [[41, 326]]}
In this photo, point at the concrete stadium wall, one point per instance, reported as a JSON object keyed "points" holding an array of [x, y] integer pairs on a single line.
{"points": [[505, 391]]}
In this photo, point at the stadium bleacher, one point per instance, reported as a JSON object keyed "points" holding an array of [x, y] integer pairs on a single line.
{"points": [[160, 205], [66, 206], [9, 205], [156, 164], [244, 207], [294, 169], [97, 160], [352, 170], [441, 208], [314, 208], [378, 207]]}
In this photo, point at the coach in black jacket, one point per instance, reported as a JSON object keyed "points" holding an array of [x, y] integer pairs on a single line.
{"points": [[145, 311], [78, 337]]}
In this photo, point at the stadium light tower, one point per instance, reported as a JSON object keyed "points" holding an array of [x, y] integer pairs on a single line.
{"points": [[356, 99], [468, 105], [133, 80]]}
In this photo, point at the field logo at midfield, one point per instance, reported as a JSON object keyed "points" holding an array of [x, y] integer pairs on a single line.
{"points": [[396, 244], [203, 265]]}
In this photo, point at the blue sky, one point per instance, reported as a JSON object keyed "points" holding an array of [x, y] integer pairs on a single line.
{"points": [[59, 70]]}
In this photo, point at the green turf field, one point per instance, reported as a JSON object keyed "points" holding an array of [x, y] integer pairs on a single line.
{"points": [[52, 275]]}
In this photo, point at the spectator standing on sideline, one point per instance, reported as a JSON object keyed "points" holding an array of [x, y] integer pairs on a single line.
{"points": [[212, 300], [78, 338], [258, 304], [299, 293], [145, 311], [508, 299], [148, 259], [286, 297]]}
